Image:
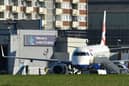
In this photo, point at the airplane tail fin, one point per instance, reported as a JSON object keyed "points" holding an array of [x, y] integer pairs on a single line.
{"points": [[103, 39]]}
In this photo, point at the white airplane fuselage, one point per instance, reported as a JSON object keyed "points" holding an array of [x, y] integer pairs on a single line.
{"points": [[86, 55]]}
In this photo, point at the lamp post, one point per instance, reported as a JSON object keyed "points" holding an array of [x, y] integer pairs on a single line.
{"points": [[12, 26], [118, 45], [118, 42]]}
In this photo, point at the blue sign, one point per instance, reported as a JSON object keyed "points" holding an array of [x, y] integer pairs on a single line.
{"points": [[39, 40]]}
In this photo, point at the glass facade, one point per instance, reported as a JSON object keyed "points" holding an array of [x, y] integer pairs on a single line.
{"points": [[117, 21]]}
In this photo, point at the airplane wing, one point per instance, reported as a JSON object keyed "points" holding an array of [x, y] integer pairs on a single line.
{"points": [[119, 49], [34, 58]]}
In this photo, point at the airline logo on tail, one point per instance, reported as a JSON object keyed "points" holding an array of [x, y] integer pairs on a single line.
{"points": [[103, 39]]}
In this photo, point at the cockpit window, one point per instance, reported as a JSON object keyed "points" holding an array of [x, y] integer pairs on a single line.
{"points": [[81, 54]]}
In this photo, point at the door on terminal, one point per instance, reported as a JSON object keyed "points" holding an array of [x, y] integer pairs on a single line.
{"points": [[4, 61]]}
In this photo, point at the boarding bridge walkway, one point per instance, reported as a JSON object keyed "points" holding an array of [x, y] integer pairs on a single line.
{"points": [[109, 65]]}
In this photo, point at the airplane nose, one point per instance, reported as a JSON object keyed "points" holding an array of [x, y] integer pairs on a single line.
{"points": [[81, 60]]}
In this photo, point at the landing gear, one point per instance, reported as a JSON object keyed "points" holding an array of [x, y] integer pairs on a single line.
{"points": [[75, 70]]}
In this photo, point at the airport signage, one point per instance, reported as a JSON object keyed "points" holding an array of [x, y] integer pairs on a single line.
{"points": [[39, 40]]}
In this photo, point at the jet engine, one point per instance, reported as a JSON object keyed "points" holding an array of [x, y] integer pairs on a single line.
{"points": [[60, 68]]}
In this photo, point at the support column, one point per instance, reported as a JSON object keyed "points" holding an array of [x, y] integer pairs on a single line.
{"points": [[49, 17]]}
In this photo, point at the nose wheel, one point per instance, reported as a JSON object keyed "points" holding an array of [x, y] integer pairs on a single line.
{"points": [[74, 70]]}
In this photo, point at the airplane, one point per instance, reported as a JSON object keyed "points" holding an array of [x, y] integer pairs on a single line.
{"points": [[83, 58]]}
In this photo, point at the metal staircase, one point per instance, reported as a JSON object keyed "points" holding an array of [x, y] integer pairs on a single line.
{"points": [[109, 65]]}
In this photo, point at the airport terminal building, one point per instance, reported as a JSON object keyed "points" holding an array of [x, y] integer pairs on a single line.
{"points": [[29, 41]]}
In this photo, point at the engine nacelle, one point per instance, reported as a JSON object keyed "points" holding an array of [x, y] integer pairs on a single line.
{"points": [[60, 68]]}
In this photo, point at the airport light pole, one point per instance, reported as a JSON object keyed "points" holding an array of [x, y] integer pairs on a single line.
{"points": [[118, 42], [12, 26]]}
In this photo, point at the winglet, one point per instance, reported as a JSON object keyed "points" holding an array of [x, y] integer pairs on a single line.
{"points": [[103, 39], [2, 51]]}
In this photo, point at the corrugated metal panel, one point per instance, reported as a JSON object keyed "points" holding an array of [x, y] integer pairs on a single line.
{"points": [[20, 24], [28, 24], [114, 20]]}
